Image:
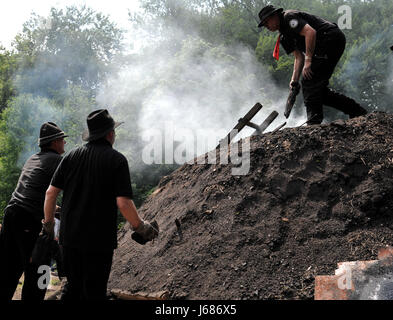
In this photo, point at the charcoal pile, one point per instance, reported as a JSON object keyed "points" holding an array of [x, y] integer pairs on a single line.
{"points": [[314, 196]]}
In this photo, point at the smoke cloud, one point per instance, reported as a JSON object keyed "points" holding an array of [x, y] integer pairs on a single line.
{"points": [[29, 112], [389, 84], [26, 118], [364, 74], [172, 78], [187, 83]]}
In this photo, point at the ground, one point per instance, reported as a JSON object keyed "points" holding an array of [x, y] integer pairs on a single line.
{"points": [[314, 196], [53, 289]]}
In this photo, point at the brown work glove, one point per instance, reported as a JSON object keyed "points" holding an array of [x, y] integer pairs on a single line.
{"points": [[48, 228], [145, 232]]}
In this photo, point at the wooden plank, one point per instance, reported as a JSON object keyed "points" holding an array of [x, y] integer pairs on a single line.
{"points": [[279, 127], [126, 295], [266, 123], [241, 124]]}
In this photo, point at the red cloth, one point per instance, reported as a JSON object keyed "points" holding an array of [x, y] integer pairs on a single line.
{"points": [[276, 52]]}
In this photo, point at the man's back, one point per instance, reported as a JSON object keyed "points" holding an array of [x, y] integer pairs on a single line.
{"points": [[293, 21], [91, 177], [95, 180], [35, 177]]}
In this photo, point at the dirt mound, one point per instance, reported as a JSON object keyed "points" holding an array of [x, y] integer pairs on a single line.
{"points": [[314, 196]]}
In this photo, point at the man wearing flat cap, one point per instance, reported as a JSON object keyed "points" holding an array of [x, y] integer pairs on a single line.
{"points": [[23, 216], [317, 45], [95, 180]]}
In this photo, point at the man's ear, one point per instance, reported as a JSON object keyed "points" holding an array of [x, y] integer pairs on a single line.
{"points": [[53, 144]]}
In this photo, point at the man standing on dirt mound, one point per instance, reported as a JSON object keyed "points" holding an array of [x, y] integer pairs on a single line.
{"points": [[317, 45], [95, 180]]}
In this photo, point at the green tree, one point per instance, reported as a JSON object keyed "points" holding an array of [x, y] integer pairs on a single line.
{"points": [[74, 46], [366, 70], [8, 65], [9, 152]]}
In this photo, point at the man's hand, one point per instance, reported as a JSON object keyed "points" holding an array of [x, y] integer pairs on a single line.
{"points": [[293, 84], [307, 73], [48, 228], [146, 231]]}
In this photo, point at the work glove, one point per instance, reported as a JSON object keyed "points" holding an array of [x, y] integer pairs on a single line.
{"points": [[48, 228], [145, 232]]}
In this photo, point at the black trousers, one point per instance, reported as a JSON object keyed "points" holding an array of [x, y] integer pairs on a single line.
{"points": [[87, 274], [17, 239], [316, 93]]}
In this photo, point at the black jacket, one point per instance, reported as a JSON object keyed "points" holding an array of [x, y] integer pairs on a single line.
{"points": [[33, 182]]}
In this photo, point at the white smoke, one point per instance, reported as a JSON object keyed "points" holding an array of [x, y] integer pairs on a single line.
{"points": [[198, 86], [26, 117], [366, 74], [171, 77], [389, 84], [28, 112]]}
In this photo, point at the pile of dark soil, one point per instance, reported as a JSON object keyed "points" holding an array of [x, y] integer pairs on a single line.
{"points": [[314, 196]]}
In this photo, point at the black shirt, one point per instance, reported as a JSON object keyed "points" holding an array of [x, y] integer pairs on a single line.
{"points": [[33, 182], [291, 24], [91, 177]]}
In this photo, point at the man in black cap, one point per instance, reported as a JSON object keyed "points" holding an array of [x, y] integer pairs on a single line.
{"points": [[95, 180], [317, 45], [23, 216]]}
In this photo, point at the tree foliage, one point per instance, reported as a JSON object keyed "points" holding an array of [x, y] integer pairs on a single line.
{"points": [[8, 65], [9, 153], [60, 62], [73, 46]]}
